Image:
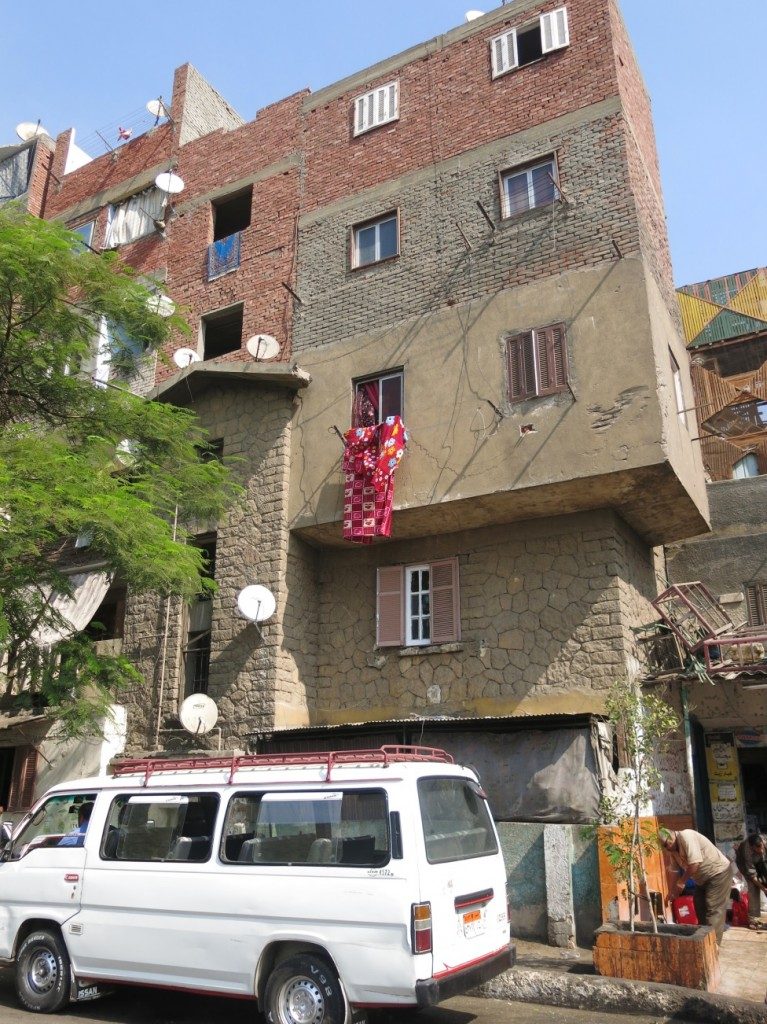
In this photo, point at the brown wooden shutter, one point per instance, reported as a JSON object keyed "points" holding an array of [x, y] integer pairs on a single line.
{"points": [[445, 602], [551, 350], [756, 603], [21, 794], [390, 619], [521, 361]]}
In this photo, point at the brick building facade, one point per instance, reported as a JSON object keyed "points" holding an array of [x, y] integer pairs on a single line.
{"points": [[452, 221]]}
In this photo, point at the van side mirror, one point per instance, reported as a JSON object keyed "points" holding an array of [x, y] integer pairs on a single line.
{"points": [[6, 831]]}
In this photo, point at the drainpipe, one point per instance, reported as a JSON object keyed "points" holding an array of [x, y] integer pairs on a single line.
{"points": [[164, 651], [688, 752]]}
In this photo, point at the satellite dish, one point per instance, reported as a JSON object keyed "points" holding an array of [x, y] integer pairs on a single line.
{"points": [[157, 108], [184, 356], [198, 714], [170, 183], [29, 129], [256, 603], [473, 15], [263, 346], [163, 305]]}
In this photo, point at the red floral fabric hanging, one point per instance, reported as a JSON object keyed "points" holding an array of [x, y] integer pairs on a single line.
{"points": [[371, 455]]}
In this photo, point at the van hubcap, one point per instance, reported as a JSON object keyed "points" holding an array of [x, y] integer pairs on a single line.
{"points": [[43, 972], [303, 1002]]}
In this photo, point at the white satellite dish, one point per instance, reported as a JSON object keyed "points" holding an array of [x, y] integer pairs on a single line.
{"points": [[161, 304], [256, 603], [157, 108], [184, 356], [170, 183], [29, 129], [263, 346], [473, 15], [198, 714]]}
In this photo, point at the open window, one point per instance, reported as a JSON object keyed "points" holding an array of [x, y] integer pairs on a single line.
{"points": [[418, 605], [377, 397], [108, 622], [232, 213], [134, 217], [222, 332], [520, 46]]}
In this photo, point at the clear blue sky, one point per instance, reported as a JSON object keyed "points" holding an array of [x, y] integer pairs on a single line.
{"points": [[89, 64]]}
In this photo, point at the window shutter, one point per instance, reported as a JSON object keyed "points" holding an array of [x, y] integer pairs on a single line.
{"points": [[503, 52], [756, 603], [554, 30], [521, 366], [390, 623], [445, 602], [21, 794], [359, 122], [552, 359]]}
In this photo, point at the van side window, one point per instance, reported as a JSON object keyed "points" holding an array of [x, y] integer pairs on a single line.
{"points": [[160, 826], [456, 820], [324, 828]]}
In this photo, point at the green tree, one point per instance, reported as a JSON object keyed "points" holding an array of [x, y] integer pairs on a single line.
{"points": [[78, 457], [645, 724]]}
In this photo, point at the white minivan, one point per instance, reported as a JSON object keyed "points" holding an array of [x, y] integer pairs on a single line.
{"points": [[317, 884]]}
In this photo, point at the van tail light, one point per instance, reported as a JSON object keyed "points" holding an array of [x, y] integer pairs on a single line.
{"points": [[421, 927]]}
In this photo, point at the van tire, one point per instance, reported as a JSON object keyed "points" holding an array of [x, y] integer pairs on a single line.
{"points": [[43, 980], [304, 990]]}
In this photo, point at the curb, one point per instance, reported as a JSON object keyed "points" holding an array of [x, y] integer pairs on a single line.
{"points": [[614, 995]]}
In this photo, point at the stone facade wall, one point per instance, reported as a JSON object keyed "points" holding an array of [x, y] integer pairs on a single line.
{"points": [[544, 614], [249, 675], [435, 268]]}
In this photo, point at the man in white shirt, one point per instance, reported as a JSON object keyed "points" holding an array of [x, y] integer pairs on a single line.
{"points": [[711, 871]]}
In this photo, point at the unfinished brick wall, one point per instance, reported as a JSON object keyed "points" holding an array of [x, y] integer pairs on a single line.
{"points": [[435, 267], [449, 104]]}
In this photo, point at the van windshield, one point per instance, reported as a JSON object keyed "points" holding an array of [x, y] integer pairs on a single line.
{"points": [[327, 828], [456, 820], [61, 821]]}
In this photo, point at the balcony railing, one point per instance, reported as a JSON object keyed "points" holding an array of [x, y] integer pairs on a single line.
{"points": [[224, 255]]}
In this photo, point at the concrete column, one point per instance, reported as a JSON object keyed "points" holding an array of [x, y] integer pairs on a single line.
{"points": [[558, 860]]}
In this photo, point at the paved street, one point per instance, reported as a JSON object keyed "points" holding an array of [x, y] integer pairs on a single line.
{"points": [[144, 1006]]}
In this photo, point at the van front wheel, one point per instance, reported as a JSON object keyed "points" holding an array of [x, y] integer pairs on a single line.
{"points": [[42, 972], [304, 990]]}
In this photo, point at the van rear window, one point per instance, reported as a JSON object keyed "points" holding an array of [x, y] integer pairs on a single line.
{"points": [[456, 820], [323, 828]]}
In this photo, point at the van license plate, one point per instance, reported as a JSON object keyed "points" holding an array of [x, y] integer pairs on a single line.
{"points": [[473, 924]]}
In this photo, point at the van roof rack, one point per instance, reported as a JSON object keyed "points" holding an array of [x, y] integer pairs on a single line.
{"points": [[384, 755]]}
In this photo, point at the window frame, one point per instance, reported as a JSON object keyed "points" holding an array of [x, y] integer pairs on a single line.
{"points": [[378, 378], [527, 169], [392, 604], [373, 222], [410, 618], [559, 41], [360, 125], [536, 334], [214, 315]]}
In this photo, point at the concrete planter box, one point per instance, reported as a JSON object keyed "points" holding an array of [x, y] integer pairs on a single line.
{"points": [[678, 955]]}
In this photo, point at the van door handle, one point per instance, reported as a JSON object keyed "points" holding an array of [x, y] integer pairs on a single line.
{"points": [[71, 877]]}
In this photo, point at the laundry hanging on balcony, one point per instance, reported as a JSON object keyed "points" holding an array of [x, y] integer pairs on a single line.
{"points": [[371, 455]]}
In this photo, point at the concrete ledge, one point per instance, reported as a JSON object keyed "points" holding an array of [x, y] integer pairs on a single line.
{"points": [[613, 995]]}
